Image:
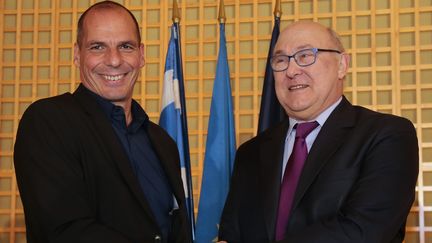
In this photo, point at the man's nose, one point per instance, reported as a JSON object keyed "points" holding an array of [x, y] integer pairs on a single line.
{"points": [[113, 58], [293, 68]]}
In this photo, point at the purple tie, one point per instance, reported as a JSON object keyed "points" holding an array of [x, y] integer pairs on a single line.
{"points": [[291, 176]]}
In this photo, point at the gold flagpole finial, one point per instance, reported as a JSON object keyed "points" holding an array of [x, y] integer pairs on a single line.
{"points": [[278, 9], [221, 16], [175, 12]]}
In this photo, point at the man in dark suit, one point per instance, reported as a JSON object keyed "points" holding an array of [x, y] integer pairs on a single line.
{"points": [[91, 166], [357, 182]]}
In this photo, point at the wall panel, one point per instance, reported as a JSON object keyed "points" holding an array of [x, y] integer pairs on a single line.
{"points": [[390, 43]]}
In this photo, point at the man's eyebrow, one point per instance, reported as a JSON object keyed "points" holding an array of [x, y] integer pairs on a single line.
{"points": [[278, 52], [129, 42], [306, 46], [299, 48], [90, 43]]}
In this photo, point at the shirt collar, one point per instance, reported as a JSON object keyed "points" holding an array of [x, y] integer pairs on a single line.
{"points": [[116, 113], [321, 119]]}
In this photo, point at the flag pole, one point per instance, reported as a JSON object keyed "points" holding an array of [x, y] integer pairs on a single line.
{"points": [[277, 13], [221, 15], [176, 21], [175, 13]]}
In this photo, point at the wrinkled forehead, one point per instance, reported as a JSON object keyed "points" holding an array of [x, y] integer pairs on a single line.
{"points": [[303, 35]]}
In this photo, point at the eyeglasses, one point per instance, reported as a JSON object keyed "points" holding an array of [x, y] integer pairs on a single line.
{"points": [[303, 58]]}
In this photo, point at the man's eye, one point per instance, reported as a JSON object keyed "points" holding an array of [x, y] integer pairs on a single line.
{"points": [[127, 47], [280, 60], [96, 47], [303, 55]]}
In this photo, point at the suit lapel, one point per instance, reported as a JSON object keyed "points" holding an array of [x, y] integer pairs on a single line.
{"points": [[110, 142], [270, 159], [328, 141]]}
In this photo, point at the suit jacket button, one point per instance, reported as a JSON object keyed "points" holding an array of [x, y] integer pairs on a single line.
{"points": [[158, 239]]}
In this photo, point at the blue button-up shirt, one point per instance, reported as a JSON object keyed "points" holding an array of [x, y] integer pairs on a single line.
{"points": [[143, 159]]}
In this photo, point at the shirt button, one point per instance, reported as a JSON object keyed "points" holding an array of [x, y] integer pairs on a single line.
{"points": [[157, 239]]}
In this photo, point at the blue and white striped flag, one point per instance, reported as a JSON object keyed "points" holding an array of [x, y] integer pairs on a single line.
{"points": [[173, 115]]}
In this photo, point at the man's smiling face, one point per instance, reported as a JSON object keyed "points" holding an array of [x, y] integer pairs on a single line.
{"points": [[305, 92], [110, 55]]}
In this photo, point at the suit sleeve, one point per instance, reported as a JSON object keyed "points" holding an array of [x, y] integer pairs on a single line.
{"points": [[52, 183], [376, 207]]}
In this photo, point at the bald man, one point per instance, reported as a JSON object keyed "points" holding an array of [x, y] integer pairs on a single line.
{"points": [[91, 166], [356, 179]]}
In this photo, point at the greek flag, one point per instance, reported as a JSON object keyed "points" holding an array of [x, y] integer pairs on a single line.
{"points": [[173, 115]]}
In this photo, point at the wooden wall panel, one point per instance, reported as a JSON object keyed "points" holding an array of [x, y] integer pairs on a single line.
{"points": [[390, 43]]}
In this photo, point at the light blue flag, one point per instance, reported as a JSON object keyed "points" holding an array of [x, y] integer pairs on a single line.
{"points": [[171, 118], [220, 151]]}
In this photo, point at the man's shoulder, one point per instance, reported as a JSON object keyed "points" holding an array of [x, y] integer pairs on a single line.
{"points": [[364, 120], [276, 133], [52, 101], [50, 104], [384, 119]]}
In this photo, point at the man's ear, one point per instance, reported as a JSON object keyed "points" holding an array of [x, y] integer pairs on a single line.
{"points": [[76, 56], [343, 65]]}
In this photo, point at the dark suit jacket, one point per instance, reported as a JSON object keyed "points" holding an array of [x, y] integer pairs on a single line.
{"points": [[75, 179], [357, 185]]}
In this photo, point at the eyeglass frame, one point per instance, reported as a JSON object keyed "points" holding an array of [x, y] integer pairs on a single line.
{"points": [[314, 50]]}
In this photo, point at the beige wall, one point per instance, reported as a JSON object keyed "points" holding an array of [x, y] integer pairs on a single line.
{"points": [[390, 42]]}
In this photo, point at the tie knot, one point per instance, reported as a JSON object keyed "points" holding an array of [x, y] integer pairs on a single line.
{"points": [[303, 129]]}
